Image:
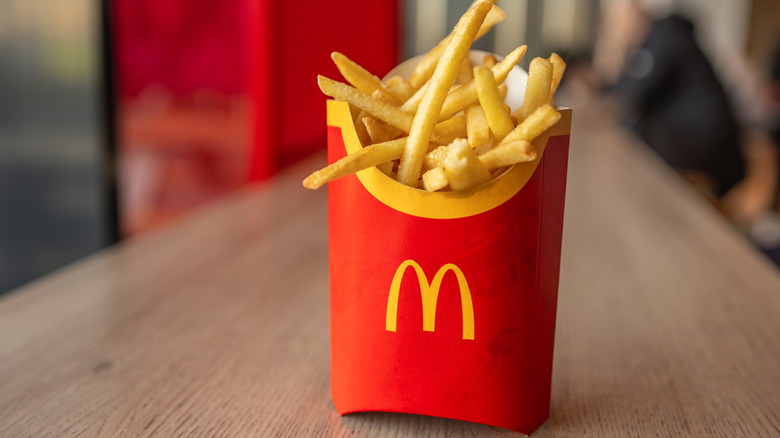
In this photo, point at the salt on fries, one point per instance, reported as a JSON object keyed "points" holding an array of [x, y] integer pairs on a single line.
{"points": [[446, 126]]}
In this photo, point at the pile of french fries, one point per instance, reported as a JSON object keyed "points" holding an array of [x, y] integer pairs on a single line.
{"points": [[446, 126]]}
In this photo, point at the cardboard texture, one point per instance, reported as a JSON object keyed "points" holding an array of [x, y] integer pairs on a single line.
{"points": [[446, 310]]}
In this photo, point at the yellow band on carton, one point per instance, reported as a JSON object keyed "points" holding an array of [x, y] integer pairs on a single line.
{"points": [[441, 205]]}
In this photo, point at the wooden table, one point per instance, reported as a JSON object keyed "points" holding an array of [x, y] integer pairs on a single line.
{"points": [[217, 325]]}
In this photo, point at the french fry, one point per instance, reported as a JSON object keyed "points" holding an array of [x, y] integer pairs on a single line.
{"points": [[367, 157], [376, 130], [466, 95], [489, 61], [537, 91], [558, 67], [450, 129], [492, 103], [392, 131], [435, 179], [435, 158], [424, 69], [426, 66], [488, 145], [465, 73], [477, 128], [361, 78], [508, 154], [443, 78], [463, 168], [399, 87], [356, 113], [534, 125], [387, 113], [360, 129], [460, 134], [380, 97], [411, 104]]}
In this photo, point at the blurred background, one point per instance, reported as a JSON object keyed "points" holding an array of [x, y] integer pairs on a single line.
{"points": [[119, 116]]}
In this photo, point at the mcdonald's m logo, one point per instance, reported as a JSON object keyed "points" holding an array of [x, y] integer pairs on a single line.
{"points": [[430, 296]]}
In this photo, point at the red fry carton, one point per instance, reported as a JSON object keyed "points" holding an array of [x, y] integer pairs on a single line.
{"points": [[444, 303]]}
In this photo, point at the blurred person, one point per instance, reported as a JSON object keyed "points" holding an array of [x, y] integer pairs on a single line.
{"points": [[671, 97], [758, 113], [754, 204], [774, 101], [764, 217]]}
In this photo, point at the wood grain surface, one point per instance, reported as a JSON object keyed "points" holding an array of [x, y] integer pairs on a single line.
{"points": [[217, 326]]}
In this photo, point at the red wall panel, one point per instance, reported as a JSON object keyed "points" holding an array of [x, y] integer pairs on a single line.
{"points": [[221, 93], [302, 36]]}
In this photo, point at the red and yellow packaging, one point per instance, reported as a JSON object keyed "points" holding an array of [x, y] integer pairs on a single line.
{"points": [[444, 303]]}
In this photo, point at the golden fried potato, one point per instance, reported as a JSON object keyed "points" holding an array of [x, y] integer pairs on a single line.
{"points": [[465, 73], [424, 69], [434, 179], [534, 125], [466, 95], [367, 157], [492, 103], [477, 128], [387, 113], [399, 87], [537, 92], [463, 168], [508, 154], [559, 66], [443, 78], [361, 78]]}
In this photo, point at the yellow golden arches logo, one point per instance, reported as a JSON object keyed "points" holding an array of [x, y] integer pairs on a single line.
{"points": [[430, 296]]}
